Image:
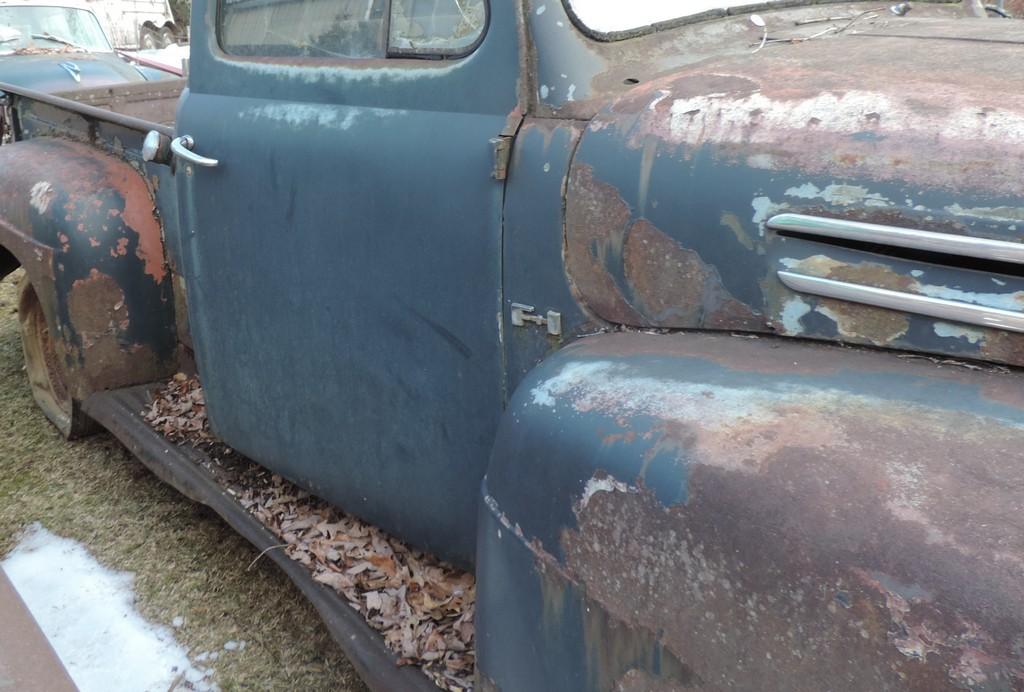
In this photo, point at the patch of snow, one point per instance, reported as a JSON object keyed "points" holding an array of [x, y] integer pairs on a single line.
{"points": [[172, 55], [614, 15], [87, 613], [178, 621]]}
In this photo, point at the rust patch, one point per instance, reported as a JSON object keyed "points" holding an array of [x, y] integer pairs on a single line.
{"points": [[864, 323], [640, 681], [671, 284], [801, 110], [596, 221], [827, 541], [138, 215], [120, 249], [96, 303], [616, 651], [99, 317], [634, 273], [673, 287]]}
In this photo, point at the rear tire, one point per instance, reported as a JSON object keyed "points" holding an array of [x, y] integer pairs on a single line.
{"points": [[167, 37], [149, 39], [46, 374]]}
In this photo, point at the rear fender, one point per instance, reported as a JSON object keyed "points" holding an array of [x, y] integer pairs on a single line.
{"points": [[82, 224], [720, 512]]}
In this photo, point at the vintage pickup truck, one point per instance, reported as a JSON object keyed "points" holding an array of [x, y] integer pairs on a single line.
{"points": [[699, 340]]}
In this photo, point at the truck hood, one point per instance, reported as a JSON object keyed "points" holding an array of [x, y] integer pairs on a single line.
{"points": [[44, 72], [674, 187]]}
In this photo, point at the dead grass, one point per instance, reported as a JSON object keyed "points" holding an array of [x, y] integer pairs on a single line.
{"points": [[186, 561]]}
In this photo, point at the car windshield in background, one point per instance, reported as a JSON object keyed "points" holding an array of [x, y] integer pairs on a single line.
{"points": [[615, 16], [30, 29]]}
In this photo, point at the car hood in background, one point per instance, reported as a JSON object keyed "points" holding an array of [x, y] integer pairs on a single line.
{"points": [[53, 72]]}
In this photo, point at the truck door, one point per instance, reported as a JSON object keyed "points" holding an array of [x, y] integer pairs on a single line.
{"points": [[342, 256]]}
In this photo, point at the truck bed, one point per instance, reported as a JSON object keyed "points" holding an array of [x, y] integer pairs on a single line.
{"points": [[152, 101]]}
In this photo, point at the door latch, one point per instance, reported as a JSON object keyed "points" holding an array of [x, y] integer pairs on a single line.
{"points": [[521, 314], [502, 153]]}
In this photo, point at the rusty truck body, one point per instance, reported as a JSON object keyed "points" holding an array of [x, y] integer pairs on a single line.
{"points": [[699, 342]]}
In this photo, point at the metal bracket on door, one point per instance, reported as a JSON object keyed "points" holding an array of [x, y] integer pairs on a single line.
{"points": [[521, 314]]}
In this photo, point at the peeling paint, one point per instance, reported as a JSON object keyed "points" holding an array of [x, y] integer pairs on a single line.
{"points": [[40, 196], [602, 484], [842, 195], [988, 213], [793, 310], [956, 331]]}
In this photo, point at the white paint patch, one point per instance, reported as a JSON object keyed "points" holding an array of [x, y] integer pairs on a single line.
{"points": [[792, 311], [547, 167], [602, 485], [662, 95], [916, 273], [87, 613], [544, 91], [1005, 301], [540, 10], [304, 115], [706, 118], [842, 195], [988, 213], [997, 282], [40, 196], [955, 331], [572, 90], [570, 376], [765, 162], [764, 209], [337, 74]]}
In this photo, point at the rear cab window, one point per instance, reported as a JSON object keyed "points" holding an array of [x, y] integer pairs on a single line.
{"points": [[345, 29]]}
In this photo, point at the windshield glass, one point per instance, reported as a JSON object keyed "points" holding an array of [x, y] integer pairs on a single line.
{"points": [[612, 16], [30, 29]]}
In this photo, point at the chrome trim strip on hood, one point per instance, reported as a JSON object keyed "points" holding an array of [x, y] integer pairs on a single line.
{"points": [[951, 310], [982, 248]]}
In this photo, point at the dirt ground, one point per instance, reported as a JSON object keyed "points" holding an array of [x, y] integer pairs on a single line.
{"points": [[187, 563]]}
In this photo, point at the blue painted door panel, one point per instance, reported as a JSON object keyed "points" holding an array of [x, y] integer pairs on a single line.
{"points": [[344, 273]]}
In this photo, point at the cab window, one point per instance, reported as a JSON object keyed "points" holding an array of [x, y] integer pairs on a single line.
{"points": [[350, 28]]}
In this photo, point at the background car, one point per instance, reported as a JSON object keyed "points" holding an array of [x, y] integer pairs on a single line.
{"points": [[59, 46]]}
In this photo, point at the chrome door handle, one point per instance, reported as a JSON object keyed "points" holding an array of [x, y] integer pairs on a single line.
{"points": [[182, 148]]}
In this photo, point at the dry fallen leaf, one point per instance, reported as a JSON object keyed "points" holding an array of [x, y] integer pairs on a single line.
{"points": [[422, 606]]}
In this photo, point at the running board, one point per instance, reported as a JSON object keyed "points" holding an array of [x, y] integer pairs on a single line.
{"points": [[120, 412]]}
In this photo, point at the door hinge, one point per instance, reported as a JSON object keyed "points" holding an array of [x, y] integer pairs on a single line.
{"points": [[502, 146], [521, 314]]}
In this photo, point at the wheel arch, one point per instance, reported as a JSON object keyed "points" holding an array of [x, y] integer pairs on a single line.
{"points": [[660, 507], [82, 224]]}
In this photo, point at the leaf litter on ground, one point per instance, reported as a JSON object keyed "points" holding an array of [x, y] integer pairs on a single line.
{"points": [[421, 605]]}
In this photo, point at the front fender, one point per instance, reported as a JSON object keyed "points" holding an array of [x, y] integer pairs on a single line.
{"points": [[82, 224], [722, 512]]}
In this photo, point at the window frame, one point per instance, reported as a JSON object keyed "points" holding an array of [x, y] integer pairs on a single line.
{"points": [[387, 53]]}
